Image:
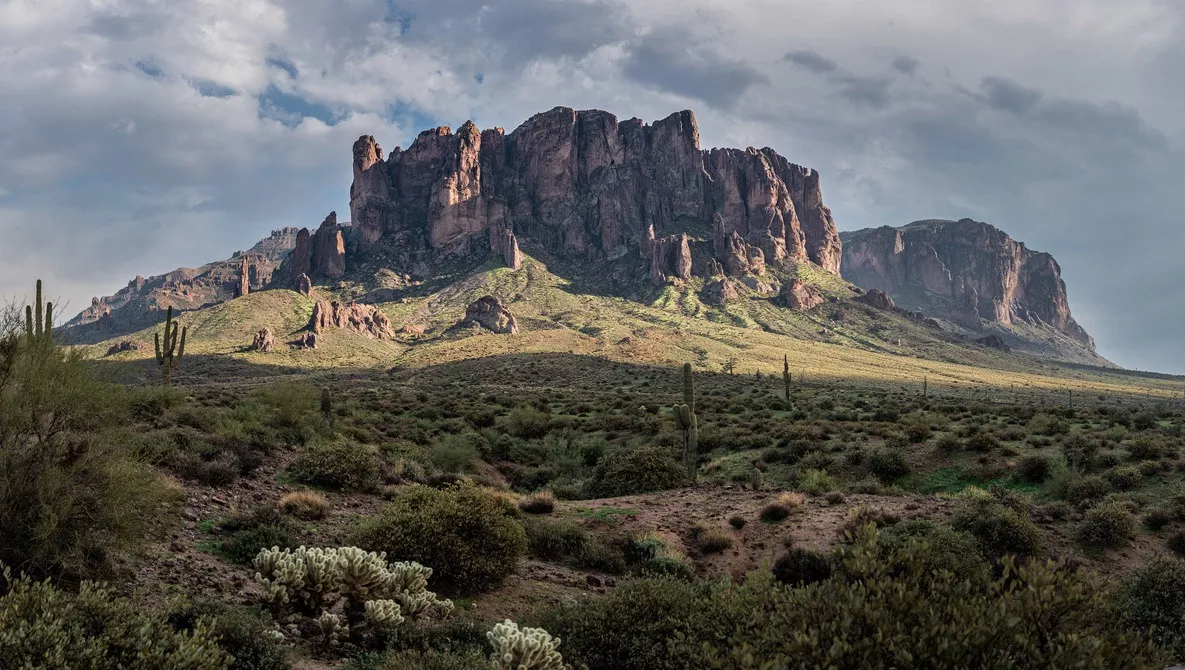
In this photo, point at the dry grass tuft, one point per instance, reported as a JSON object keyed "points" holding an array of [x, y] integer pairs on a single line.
{"points": [[308, 505]]}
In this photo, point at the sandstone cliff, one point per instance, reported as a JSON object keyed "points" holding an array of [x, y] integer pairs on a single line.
{"points": [[964, 271], [586, 186], [143, 300]]}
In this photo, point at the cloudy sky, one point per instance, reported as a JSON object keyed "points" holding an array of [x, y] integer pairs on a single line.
{"points": [[137, 136]]}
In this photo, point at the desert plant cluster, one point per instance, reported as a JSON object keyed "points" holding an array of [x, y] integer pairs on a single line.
{"points": [[575, 514]]}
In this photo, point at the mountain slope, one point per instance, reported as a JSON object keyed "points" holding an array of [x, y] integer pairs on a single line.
{"points": [[143, 302]]}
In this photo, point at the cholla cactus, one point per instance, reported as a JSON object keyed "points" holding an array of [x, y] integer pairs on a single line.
{"points": [[306, 577], [313, 579], [332, 628], [363, 574], [383, 614], [524, 648]]}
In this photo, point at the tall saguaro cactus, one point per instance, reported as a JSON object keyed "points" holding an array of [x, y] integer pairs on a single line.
{"points": [[786, 377], [37, 327], [686, 421], [169, 355]]}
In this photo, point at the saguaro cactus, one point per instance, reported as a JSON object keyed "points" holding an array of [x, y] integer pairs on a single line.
{"points": [[326, 404], [38, 328], [168, 355], [687, 423], [786, 376]]}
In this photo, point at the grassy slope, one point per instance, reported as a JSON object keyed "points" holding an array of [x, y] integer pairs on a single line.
{"points": [[837, 341]]}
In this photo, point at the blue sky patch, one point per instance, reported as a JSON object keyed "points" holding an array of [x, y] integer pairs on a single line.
{"points": [[209, 89], [150, 69], [290, 109]]}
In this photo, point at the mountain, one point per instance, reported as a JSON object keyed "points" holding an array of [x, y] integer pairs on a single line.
{"points": [[143, 301], [973, 275], [581, 186]]}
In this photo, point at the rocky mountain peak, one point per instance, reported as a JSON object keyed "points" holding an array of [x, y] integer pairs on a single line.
{"points": [[966, 271], [584, 185]]}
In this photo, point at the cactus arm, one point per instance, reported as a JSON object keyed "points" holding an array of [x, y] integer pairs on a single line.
{"points": [[29, 322], [37, 306], [159, 357], [48, 320], [181, 347]]}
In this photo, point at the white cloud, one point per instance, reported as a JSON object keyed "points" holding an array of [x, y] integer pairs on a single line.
{"points": [[114, 162]]}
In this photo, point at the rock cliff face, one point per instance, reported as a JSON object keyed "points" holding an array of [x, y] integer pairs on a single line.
{"points": [[144, 300], [587, 186], [320, 254], [963, 270]]}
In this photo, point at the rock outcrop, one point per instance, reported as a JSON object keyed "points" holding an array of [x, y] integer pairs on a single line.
{"points": [[878, 299], [264, 342], [304, 285], [488, 312], [366, 319], [321, 254], [719, 291], [125, 345], [587, 186], [965, 271], [244, 278], [800, 296]]}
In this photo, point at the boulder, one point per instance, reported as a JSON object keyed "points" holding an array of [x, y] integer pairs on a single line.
{"points": [[877, 299], [719, 291], [800, 296], [488, 312], [125, 345], [264, 341], [305, 341]]}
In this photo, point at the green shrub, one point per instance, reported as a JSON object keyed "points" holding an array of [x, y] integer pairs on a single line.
{"points": [[341, 465], [944, 549], [983, 442], [1176, 543], [891, 611], [1154, 598], [888, 465], [1157, 518], [799, 567], [637, 471], [815, 482], [245, 633], [554, 540], [998, 529], [471, 537], [454, 453], [1147, 448], [243, 545], [1088, 490], [526, 422], [1034, 468], [645, 624], [1125, 478], [73, 499], [44, 627], [412, 659], [1107, 525]]}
